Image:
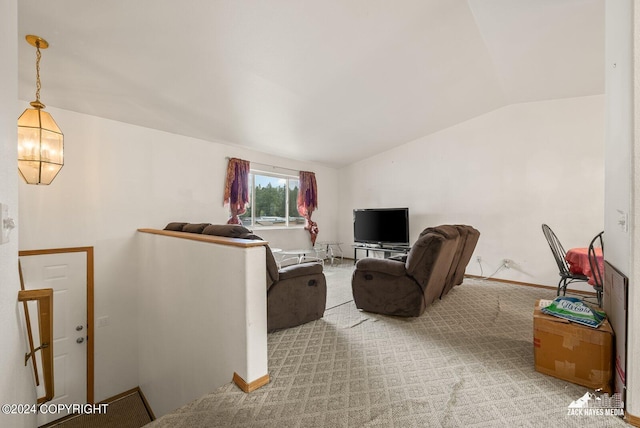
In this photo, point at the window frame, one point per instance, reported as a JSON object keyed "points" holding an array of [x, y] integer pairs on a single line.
{"points": [[252, 193]]}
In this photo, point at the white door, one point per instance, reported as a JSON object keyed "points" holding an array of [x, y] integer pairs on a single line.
{"points": [[66, 275]]}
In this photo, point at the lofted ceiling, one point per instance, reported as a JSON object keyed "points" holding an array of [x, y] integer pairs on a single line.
{"points": [[328, 81]]}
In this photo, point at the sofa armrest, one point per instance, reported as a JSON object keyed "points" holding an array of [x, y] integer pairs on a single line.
{"points": [[294, 271], [390, 267]]}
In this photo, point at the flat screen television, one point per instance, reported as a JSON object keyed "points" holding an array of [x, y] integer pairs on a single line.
{"points": [[382, 226]]}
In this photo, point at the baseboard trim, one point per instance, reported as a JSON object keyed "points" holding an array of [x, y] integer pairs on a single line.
{"points": [[146, 404], [135, 390], [529, 284], [251, 386], [633, 420]]}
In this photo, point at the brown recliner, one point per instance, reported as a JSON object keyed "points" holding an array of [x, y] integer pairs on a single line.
{"points": [[469, 247], [466, 245], [296, 294], [399, 288], [450, 232]]}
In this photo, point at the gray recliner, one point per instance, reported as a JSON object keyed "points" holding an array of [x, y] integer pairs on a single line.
{"points": [[470, 241], [406, 288], [296, 294], [467, 240]]}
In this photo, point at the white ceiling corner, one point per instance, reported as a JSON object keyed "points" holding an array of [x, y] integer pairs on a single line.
{"points": [[330, 81]]}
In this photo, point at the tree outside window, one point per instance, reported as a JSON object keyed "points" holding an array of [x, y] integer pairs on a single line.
{"points": [[273, 201]]}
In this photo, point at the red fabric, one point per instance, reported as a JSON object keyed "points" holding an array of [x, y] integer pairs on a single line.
{"points": [[578, 259], [236, 189], [308, 202]]}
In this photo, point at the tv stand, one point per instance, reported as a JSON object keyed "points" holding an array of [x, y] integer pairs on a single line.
{"points": [[387, 250]]}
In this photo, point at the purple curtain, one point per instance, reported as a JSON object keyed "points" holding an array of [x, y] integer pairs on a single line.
{"points": [[236, 189], [308, 202]]}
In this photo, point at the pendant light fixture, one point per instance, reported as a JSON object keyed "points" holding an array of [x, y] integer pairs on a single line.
{"points": [[40, 141]]}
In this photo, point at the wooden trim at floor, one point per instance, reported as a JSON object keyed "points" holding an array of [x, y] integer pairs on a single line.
{"points": [[117, 397], [132, 391], [528, 284], [633, 420], [146, 404], [251, 386]]}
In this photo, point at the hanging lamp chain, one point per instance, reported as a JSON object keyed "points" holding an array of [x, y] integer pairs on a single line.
{"points": [[38, 56], [37, 43]]}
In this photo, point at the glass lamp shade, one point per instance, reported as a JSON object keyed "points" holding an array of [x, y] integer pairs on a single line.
{"points": [[40, 147]]}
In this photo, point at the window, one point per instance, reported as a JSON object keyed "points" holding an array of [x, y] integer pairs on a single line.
{"points": [[273, 201]]}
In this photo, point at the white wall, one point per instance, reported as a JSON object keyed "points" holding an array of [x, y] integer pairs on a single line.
{"points": [[203, 317], [16, 380], [619, 131], [119, 177], [622, 165], [505, 173], [633, 332]]}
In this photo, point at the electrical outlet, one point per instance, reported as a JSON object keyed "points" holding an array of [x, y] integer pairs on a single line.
{"points": [[507, 263], [623, 221], [103, 321], [6, 224], [479, 259]]}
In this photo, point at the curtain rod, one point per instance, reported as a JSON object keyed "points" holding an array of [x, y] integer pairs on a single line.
{"points": [[264, 165]]}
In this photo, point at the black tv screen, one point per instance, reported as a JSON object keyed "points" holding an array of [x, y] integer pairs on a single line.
{"points": [[381, 226]]}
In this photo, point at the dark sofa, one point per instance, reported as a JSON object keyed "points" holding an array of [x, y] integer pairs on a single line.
{"points": [[405, 286], [296, 294]]}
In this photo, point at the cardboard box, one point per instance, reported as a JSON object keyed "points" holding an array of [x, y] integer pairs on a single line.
{"points": [[573, 352]]}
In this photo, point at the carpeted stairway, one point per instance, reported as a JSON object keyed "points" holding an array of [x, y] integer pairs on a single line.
{"points": [[128, 411]]}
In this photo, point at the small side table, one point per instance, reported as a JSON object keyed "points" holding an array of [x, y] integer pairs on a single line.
{"points": [[299, 256], [330, 247]]}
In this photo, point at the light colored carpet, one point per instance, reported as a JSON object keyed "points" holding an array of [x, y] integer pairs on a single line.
{"points": [[338, 283], [467, 362]]}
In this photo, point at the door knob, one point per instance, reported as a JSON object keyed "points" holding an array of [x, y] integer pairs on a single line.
{"points": [[80, 340], [78, 327]]}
